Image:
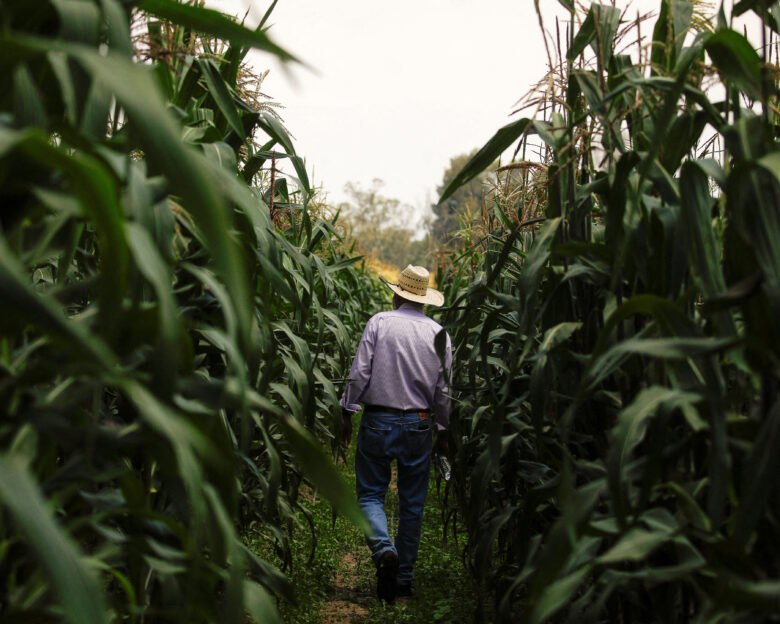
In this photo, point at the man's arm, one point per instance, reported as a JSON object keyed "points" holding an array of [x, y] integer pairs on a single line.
{"points": [[345, 435], [442, 403], [359, 375], [441, 395]]}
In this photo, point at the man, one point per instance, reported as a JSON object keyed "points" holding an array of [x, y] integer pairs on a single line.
{"points": [[398, 376]]}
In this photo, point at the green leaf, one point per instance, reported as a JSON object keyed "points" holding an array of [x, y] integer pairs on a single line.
{"points": [[693, 512], [271, 126], [747, 595], [558, 335], [630, 430], [118, 27], [583, 37], [20, 302], [634, 546], [218, 89], [189, 444], [682, 12], [155, 270], [767, 10], [558, 595], [500, 141], [79, 21], [598, 30], [763, 224], [736, 60], [675, 348], [186, 170], [76, 586], [260, 605], [760, 477], [313, 462], [210, 22], [97, 192], [28, 101], [669, 33], [220, 154]]}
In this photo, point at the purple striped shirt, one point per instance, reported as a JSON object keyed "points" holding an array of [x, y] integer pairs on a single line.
{"points": [[396, 365]]}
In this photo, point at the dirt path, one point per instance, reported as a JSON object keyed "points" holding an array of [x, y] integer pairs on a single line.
{"points": [[351, 602], [338, 586], [443, 589], [354, 588]]}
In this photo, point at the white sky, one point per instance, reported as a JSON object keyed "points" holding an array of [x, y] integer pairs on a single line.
{"points": [[397, 88]]}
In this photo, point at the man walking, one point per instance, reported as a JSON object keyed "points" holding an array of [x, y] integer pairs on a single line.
{"points": [[398, 376]]}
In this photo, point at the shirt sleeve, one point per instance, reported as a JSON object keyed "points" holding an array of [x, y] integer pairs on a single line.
{"points": [[441, 397], [360, 373]]}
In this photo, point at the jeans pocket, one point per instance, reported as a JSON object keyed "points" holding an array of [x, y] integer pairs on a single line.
{"points": [[375, 439], [418, 439]]}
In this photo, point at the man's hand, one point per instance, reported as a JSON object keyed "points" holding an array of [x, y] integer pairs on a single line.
{"points": [[345, 438], [442, 447]]}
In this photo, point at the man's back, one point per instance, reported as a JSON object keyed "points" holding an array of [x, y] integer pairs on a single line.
{"points": [[406, 366], [397, 364]]}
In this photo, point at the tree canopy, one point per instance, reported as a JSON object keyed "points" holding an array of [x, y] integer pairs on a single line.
{"points": [[381, 228], [461, 205]]}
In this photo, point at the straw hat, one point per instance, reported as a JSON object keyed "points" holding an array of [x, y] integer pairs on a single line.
{"points": [[413, 285]]}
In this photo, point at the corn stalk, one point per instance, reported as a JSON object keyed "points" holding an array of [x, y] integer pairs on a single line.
{"points": [[167, 350], [618, 365]]}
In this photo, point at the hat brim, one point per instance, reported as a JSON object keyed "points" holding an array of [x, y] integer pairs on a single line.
{"points": [[431, 297]]}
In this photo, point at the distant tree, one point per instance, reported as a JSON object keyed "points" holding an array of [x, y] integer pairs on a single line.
{"points": [[462, 205], [380, 226]]}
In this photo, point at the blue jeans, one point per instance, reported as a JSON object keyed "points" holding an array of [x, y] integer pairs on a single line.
{"points": [[382, 438]]}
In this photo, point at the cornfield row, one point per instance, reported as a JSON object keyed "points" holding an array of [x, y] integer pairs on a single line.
{"points": [[170, 370], [617, 351], [176, 317]]}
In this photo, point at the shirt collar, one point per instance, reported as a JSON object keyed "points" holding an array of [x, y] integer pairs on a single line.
{"points": [[407, 307]]}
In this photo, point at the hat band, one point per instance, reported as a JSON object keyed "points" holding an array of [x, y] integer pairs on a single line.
{"points": [[415, 290]]}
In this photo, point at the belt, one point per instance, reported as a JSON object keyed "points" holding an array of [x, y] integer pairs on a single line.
{"points": [[395, 410]]}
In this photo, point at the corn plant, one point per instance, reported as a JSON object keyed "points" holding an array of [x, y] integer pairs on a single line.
{"points": [[172, 319], [617, 365]]}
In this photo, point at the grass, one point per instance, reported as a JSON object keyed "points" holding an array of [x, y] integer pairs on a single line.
{"points": [[338, 584]]}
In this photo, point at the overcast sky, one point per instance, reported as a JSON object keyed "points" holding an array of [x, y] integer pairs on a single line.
{"points": [[397, 88]]}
